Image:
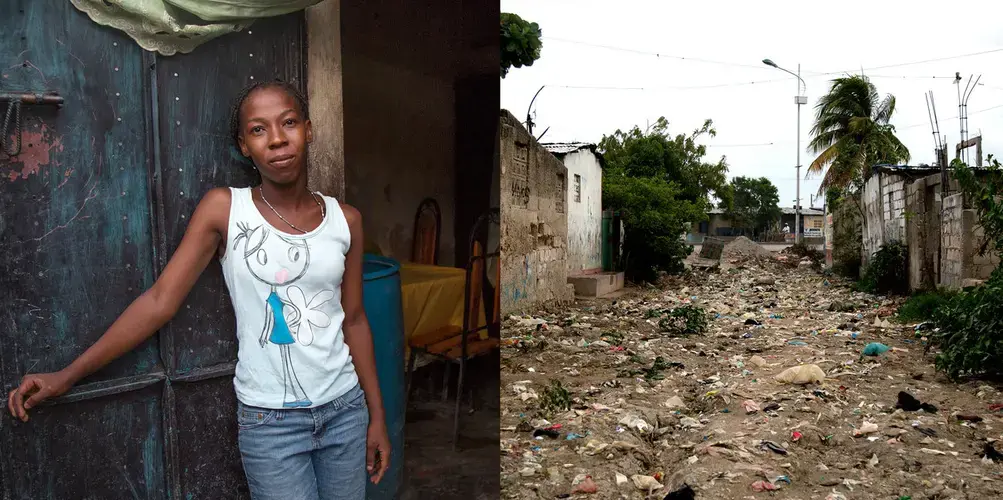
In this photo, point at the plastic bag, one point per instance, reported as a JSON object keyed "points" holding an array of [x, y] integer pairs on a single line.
{"points": [[801, 375]]}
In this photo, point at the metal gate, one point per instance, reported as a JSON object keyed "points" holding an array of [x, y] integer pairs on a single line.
{"points": [[90, 211]]}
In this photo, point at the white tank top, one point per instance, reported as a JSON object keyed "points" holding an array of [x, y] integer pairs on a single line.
{"points": [[286, 294]]}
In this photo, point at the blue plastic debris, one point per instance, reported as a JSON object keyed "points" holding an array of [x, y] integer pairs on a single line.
{"points": [[875, 349]]}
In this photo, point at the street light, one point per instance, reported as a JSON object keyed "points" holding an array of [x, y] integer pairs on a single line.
{"points": [[799, 99]]}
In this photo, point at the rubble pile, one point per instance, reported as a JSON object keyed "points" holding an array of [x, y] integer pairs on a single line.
{"points": [[744, 248], [798, 388]]}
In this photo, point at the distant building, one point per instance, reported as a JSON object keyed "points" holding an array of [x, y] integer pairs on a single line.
{"points": [[718, 224], [812, 219]]}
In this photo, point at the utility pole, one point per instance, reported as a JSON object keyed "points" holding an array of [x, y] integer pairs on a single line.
{"points": [[799, 99]]}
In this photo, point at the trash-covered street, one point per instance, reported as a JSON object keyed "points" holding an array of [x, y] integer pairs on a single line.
{"points": [[755, 376]]}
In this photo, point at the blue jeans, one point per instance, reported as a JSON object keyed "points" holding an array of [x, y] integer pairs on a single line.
{"points": [[306, 453]]}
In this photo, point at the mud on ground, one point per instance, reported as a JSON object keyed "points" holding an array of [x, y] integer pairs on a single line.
{"points": [[651, 413]]}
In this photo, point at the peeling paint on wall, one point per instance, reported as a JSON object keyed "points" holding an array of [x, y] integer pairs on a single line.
{"points": [[38, 145]]}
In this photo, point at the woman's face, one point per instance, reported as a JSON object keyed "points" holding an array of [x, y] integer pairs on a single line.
{"points": [[274, 134]]}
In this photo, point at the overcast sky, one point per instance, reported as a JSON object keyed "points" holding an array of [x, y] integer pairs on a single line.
{"points": [[756, 123]]}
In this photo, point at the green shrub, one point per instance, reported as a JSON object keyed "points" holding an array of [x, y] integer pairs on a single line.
{"points": [[888, 272], [685, 320], [923, 306], [656, 218], [970, 332], [555, 399]]}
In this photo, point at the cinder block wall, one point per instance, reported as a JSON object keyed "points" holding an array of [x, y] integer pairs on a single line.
{"points": [[534, 221]]}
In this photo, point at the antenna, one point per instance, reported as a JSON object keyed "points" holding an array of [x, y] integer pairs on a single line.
{"points": [[936, 122], [933, 125], [938, 140], [543, 134], [965, 142], [978, 161], [961, 115], [529, 111]]}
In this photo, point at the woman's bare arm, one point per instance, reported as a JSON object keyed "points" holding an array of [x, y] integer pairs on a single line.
{"points": [[359, 338]]}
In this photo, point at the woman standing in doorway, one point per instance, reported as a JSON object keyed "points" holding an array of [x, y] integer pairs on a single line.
{"points": [[310, 415]]}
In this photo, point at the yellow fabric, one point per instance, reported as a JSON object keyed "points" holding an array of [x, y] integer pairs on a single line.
{"points": [[432, 298]]}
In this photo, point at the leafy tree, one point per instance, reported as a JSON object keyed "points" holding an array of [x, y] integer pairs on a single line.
{"points": [[852, 132], [520, 42], [656, 216], [662, 185], [755, 204], [653, 153]]}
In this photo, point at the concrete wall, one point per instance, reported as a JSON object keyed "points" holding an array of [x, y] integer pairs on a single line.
{"points": [[941, 234], [326, 98], [884, 207], [955, 243], [585, 213], [534, 221], [389, 87], [960, 238]]}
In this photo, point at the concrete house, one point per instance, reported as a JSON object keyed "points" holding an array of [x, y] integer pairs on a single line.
{"points": [[585, 219], [584, 202]]}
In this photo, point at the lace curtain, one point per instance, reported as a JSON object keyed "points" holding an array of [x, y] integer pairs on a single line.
{"points": [[172, 26]]}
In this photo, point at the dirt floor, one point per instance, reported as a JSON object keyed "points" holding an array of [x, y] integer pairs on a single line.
{"points": [[432, 468], [647, 413]]}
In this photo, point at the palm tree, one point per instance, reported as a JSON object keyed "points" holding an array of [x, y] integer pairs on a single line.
{"points": [[852, 132]]}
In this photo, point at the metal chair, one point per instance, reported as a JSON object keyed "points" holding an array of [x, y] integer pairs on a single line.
{"points": [[457, 344], [427, 226]]}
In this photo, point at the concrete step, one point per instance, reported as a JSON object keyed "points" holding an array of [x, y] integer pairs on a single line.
{"points": [[596, 285]]}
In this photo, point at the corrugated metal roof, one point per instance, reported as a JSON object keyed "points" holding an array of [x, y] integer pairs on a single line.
{"points": [[563, 148], [905, 168], [804, 211]]}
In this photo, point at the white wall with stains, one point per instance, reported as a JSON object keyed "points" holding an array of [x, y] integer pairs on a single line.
{"points": [[584, 202]]}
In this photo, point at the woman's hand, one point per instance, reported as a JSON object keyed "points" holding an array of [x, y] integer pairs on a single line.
{"points": [[34, 389], [377, 443]]}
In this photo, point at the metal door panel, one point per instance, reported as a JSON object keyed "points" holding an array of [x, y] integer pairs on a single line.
{"points": [[102, 448], [206, 437]]}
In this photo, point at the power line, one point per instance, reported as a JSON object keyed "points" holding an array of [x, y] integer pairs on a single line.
{"points": [[656, 54], [927, 124], [666, 87], [913, 77], [757, 66], [728, 84], [912, 63], [738, 145]]}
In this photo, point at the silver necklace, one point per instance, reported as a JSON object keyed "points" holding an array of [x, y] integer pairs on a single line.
{"points": [[323, 211]]}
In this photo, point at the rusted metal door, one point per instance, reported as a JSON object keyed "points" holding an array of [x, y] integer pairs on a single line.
{"points": [[90, 211]]}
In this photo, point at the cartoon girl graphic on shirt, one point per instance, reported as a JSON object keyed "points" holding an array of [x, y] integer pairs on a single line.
{"points": [[284, 317]]}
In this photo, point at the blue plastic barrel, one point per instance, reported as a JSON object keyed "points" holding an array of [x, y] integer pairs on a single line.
{"points": [[381, 297]]}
